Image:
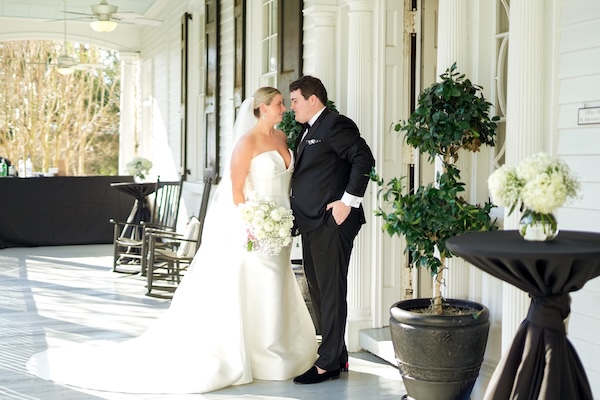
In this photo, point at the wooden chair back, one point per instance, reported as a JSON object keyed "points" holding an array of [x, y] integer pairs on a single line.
{"points": [[168, 265], [165, 209], [204, 205]]}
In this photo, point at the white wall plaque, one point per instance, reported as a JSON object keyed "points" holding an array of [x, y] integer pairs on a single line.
{"points": [[587, 116]]}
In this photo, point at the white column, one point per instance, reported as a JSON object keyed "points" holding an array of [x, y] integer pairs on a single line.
{"points": [[452, 48], [525, 122], [323, 29], [359, 101], [128, 138], [452, 35]]}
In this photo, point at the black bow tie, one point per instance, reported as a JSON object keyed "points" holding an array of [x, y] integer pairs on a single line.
{"points": [[305, 126]]}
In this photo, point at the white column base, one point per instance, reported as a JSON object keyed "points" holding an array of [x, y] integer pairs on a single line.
{"points": [[357, 321]]}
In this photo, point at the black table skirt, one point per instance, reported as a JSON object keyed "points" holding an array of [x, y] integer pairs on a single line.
{"points": [[541, 362], [49, 211], [141, 210]]}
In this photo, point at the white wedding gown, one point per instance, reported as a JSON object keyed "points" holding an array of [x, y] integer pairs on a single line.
{"points": [[234, 317]]}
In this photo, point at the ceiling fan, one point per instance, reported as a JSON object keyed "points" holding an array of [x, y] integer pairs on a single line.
{"points": [[105, 17], [65, 64]]}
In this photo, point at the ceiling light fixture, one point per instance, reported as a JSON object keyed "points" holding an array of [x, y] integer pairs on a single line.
{"points": [[103, 25], [65, 70], [103, 11], [64, 62]]}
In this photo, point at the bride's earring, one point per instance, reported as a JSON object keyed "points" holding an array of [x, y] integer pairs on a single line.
{"points": [[264, 116]]}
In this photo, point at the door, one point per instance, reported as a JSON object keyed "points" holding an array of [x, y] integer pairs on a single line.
{"points": [[398, 77], [410, 66]]}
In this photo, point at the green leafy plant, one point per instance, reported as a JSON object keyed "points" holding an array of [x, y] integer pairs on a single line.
{"points": [[451, 115], [293, 128]]}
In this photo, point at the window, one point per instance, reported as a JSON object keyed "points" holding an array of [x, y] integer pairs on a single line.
{"points": [[500, 70], [269, 40]]}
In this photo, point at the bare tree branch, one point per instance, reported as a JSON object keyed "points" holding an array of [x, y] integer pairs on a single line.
{"points": [[52, 117]]}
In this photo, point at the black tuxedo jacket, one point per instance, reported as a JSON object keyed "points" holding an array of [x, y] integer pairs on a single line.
{"points": [[332, 158]]}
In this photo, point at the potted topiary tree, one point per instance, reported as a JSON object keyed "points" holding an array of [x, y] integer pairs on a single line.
{"points": [[439, 343]]}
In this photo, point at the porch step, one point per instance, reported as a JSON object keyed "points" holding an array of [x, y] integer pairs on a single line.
{"points": [[378, 341]]}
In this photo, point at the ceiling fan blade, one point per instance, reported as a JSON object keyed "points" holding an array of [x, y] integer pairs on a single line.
{"points": [[137, 18], [143, 21], [84, 66], [78, 13], [83, 18]]}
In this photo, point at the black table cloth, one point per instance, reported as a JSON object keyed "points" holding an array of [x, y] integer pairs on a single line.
{"points": [[60, 211], [541, 362], [140, 210]]}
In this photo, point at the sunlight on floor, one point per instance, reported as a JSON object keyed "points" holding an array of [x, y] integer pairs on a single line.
{"points": [[52, 296], [366, 373]]}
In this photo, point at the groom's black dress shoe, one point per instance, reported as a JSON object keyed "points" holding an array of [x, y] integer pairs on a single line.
{"points": [[313, 376]]}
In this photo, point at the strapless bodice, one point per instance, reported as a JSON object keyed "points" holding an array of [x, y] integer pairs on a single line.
{"points": [[269, 176]]}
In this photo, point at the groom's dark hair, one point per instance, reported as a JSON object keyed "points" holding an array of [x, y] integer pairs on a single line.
{"points": [[308, 86]]}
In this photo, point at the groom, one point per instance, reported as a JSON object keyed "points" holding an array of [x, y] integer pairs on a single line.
{"points": [[330, 178]]}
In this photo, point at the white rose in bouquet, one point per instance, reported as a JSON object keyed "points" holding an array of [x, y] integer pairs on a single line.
{"points": [[268, 226]]}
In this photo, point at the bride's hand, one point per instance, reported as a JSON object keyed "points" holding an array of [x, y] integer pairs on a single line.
{"points": [[340, 211]]}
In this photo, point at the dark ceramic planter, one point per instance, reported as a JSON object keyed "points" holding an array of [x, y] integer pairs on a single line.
{"points": [[438, 356]]}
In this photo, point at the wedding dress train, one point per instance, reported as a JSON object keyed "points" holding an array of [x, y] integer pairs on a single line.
{"points": [[235, 316]]}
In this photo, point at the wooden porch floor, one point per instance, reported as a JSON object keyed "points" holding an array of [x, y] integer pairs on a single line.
{"points": [[50, 296]]}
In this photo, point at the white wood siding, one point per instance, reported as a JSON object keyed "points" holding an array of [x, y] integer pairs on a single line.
{"points": [[226, 70], [162, 46], [579, 145]]}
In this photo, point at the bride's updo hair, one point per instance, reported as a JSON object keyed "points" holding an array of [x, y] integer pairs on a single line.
{"points": [[263, 95]]}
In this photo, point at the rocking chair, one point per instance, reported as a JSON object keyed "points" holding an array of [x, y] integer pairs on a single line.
{"points": [[129, 240], [171, 253]]}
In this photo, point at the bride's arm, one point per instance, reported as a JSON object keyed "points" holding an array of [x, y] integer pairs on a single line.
{"points": [[240, 165]]}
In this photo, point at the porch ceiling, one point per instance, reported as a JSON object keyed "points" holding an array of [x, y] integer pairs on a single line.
{"points": [[53, 9], [42, 19]]}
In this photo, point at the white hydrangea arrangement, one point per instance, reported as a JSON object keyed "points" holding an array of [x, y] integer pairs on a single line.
{"points": [[268, 225], [539, 183], [139, 167]]}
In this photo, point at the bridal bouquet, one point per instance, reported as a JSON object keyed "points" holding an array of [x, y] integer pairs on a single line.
{"points": [[539, 183], [139, 167], [268, 225]]}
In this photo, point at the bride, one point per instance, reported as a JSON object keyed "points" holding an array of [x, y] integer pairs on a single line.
{"points": [[236, 315]]}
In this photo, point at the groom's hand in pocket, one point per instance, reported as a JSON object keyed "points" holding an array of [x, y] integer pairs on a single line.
{"points": [[339, 211]]}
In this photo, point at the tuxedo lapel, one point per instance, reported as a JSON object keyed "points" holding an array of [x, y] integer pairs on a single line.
{"points": [[311, 131], [300, 145], [299, 138]]}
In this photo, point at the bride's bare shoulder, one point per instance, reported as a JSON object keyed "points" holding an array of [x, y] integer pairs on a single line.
{"points": [[246, 140], [244, 148]]}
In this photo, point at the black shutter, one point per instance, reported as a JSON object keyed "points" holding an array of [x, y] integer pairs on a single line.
{"points": [[211, 101], [290, 44], [239, 12], [185, 25]]}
